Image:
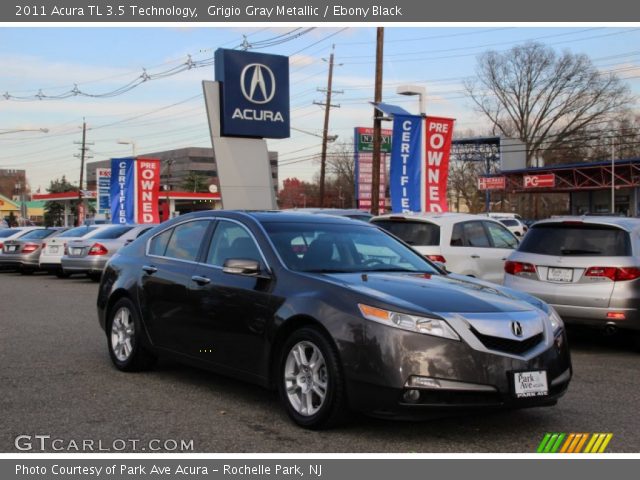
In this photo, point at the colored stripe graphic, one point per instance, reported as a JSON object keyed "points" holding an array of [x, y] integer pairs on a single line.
{"points": [[574, 443]]}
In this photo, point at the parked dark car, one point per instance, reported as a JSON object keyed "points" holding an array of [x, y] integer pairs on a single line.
{"points": [[334, 314]]}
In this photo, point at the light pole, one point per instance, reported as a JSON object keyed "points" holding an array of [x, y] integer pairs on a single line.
{"points": [[129, 142], [613, 178], [410, 90]]}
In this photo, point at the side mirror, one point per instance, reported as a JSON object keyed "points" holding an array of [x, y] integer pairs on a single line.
{"points": [[241, 266]]}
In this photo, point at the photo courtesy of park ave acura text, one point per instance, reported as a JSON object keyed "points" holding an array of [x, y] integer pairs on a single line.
{"points": [[293, 230]]}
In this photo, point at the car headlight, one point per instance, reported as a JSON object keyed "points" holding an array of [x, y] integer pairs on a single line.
{"points": [[556, 321], [412, 323]]}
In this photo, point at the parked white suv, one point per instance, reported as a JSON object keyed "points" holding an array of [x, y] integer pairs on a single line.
{"points": [[467, 244]]}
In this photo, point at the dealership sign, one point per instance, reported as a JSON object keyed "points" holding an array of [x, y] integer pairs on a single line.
{"points": [[492, 183], [103, 182], [135, 187], [363, 156], [545, 180], [420, 163], [254, 94]]}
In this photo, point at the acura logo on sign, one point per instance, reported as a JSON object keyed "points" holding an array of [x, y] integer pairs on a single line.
{"points": [[258, 84], [516, 328]]}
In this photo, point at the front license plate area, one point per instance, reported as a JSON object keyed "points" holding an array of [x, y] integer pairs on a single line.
{"points": [[560, 274], [530, 384]]}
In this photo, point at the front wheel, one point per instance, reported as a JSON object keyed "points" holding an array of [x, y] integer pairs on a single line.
{"points": [[124, 338], [310, 382]]}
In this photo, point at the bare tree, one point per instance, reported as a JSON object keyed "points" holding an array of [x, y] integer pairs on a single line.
{"points": [[543, 98], [463, 185], [341, 168]]}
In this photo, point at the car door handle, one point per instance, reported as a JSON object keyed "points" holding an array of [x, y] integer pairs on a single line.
{"points": [[475, 256], [200, 280], [150, 269]]}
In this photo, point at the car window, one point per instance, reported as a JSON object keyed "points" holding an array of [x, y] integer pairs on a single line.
{"points": [[185, 242], [509, 223], [231, 240], [37, 234], [500, 236], [413, 233], [77, 232], [579, 239], [469, 234], [111, 233], [8, 232], [158, 245], [143, 231]]}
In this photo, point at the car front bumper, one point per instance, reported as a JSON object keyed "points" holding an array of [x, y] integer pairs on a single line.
{"points": [[454, 375], [93, 264]]}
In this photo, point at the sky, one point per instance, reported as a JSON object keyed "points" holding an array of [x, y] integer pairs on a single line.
{"points": [[167, 112]]}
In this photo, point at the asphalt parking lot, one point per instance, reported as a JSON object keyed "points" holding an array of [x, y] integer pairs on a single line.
{"points": [[57, 380]]}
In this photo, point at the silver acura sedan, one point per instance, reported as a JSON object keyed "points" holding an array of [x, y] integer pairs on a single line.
{"points": [[587, 268]]}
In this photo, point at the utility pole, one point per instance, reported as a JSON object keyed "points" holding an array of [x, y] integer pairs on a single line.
{"points": [[325, 132], [613, 178], [377, 126], [168, 187], [83, 155]]}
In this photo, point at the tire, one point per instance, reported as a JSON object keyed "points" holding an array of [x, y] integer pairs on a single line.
{"points": [[124, 338], [304, 403], [26, 271], [62, 274], [94, 276]]}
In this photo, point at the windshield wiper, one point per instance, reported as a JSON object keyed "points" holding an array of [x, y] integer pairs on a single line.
{"points": [[390, 269], [327, 270]]}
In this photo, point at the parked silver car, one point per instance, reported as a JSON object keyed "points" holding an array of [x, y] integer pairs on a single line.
{"points": [[23, 252], [90, 255], [587, 268]]}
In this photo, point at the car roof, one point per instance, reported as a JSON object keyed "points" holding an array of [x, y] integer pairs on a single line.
{"points": [[445, 218], [270, 216], [629, 224]]}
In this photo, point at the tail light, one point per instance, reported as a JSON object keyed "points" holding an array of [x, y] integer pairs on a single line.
{"points": [[44, 245], [1, 245], [436, 258], [518, 268], [98, 249], [30, 247], [616, 274]]}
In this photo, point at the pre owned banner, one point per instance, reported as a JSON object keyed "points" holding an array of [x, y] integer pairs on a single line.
{"points": [[147, 190], [406, 155], [420, 163], [438, 147], [122, 191]]}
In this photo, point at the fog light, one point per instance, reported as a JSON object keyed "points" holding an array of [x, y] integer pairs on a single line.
{"points": [[411, 396], [559, 341]]}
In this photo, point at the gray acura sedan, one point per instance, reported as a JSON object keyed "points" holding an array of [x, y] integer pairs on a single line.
{"points": [[332, 313]]}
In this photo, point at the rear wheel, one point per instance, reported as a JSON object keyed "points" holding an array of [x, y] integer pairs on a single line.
{"points": [[310, 380], [124, 339]]}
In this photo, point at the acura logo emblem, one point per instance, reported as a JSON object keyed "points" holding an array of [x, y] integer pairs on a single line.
{"points": [[258, 84], [516, 328]]}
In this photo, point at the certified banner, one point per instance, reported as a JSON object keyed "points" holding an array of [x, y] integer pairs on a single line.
{"points": [[122, 191], [147, 190], [406, 162], [438, 132]]}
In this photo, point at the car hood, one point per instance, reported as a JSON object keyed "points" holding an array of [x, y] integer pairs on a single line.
{"points": [[434, 293]]}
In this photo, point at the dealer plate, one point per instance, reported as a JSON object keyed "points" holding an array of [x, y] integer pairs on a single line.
{"points": [[560, 274], [530, 384], [75, 251], [11, 248], [53, 249]]}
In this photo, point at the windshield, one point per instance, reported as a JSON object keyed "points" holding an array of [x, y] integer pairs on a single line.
{"points": [[37, 234], [111, 233], [509, 223], [337, 248], [413, 233], [580, 239], [7, 232], [77, 232]]}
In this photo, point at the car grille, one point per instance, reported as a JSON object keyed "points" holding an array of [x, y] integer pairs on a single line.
{"points": [[507, 345]]}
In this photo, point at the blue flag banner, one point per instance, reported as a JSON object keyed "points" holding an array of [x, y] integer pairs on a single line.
{"points": [[406, 154], [122, 190]]}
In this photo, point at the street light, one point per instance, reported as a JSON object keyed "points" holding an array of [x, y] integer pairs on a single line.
{"points": [[41, 130], [129, 142], [414, 90]]}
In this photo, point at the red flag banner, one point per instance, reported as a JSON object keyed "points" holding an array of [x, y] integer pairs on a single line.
{"points": [[148, 190], [436, 167]]}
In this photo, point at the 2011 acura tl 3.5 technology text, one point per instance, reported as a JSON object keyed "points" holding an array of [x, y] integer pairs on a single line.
{"points": [[334, 314]]}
